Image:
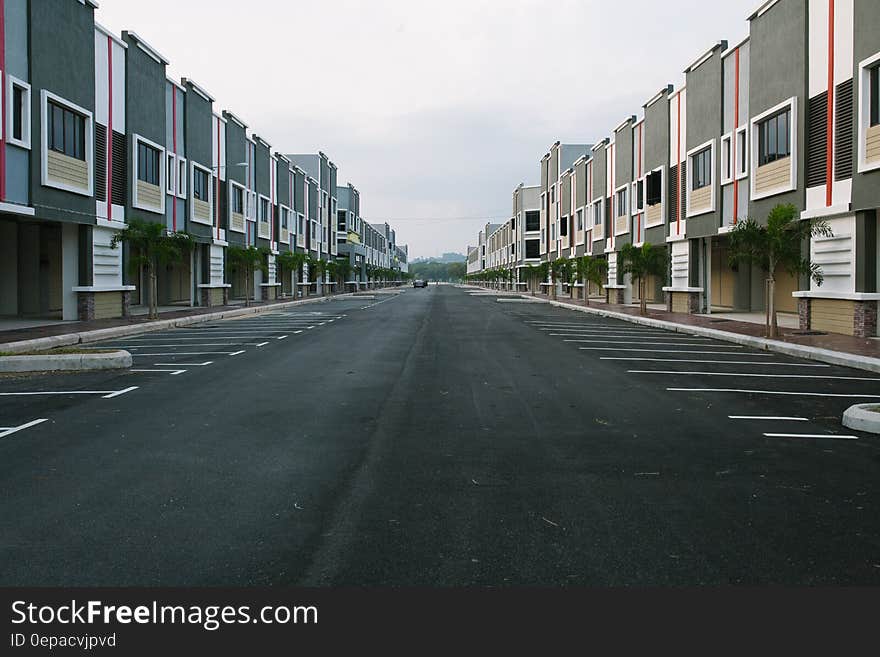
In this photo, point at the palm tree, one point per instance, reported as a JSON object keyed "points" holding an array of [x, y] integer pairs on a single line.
{"points": [[291, 262], [591, 270], [543, 271], [642, 262], [343, 270], [530, 273], [558, 271], [317, 266], [778, 244], [247, 259], [150, 245]]}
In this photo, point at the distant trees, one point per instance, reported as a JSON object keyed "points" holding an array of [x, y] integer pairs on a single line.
{"points": [[449, 272]]}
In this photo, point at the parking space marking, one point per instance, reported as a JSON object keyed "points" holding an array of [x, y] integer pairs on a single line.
{"points": [[282, 337], [757, 375], [237, 353], [811, 435], [171, 372], [659, 344], [768, 417], [134, 347], [8, 431], [297, 332], [191, 353], [665, 351], [207, 362], [262, 344], [775, 392], [713, 362], [106, 394]]}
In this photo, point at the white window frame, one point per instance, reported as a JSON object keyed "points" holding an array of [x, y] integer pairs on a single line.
{"points": [[727, 159], [664, 174], [741, 161], [600, 204], [89, 190], [714, 163], [25, 141], [171, 173], [181, 177], [261, 221], [791, 103], [282, 209], [244, 194], [634, 208], [192, 167], [864, 101], [615, 204]]}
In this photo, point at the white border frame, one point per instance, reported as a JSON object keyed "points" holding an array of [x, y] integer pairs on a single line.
{"points": [[742, 155], [26, 127], [626, 189], [163, 163], [633, 196], [268, 221], [690, 170], [753, 148], [45, 97], [181, 179], [864, 118], [728, 156], [237, 185], [663, 169], [601, 203], [171, 174], [192, 206]]}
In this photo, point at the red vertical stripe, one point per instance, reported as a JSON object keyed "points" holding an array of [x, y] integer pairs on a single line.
{"points": [[3, 100], [110, 129], [829, 139], [217, 195], [678, 166], [733, 139], [176, 185], [639, 215]]}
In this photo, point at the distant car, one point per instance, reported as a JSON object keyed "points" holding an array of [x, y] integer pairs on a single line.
{"points": [[420, 283]]}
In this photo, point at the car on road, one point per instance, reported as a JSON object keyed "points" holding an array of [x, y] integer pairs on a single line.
{"points": [[420, 283]]}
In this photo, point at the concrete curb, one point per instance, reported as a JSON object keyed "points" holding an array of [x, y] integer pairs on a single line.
{"points": [[861, 418], [797, 350], [114, 360], [87, 337]]}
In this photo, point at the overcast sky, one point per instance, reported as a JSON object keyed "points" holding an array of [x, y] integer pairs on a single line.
{"points": [[435, 111]]}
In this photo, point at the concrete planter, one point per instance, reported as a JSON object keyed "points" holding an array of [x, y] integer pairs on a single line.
{"points": [[113, 360], [863, 417]]}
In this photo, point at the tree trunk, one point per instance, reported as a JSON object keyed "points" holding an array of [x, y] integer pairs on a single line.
{"points": [[586, 292], [774, 326], [643, 302], [154, 293], [247, 287], [553, 288]]}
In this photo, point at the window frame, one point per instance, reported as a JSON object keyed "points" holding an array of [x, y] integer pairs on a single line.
{"points": [[195, 167], [171, 173], [866, 69], [617, 192], [637, 207], [181, 177], [233, 188], [741, 161], [8, 130], [708, 147], [753, 149], [45, 98], [137, 141], [773, 134], [728, 166]]}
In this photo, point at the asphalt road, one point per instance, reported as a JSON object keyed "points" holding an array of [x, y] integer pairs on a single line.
{"points": [[438, 438]]}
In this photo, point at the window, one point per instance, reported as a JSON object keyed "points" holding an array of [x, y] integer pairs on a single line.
{"points": [[148, 163], [533, 220], [200, 185], [726, 160], [170, 168], [18, 127], [284, 221], [553, 194], [340, 220], [874, 91], [774, 140], [532, 249], [638, 196], [701, 169], [66, 131], [597, 214], [654, 188], [563, 227], [237, 200], [264, 210], [620, 200], [741, 147], [181, 178], [580, 219]]}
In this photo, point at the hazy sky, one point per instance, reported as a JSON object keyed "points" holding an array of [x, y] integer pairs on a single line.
{"points": [[435, 111]]}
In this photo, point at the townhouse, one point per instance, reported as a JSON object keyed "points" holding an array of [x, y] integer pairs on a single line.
{"points": [[94, 134], [790, 114]]}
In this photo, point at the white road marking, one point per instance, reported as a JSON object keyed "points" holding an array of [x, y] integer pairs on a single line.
{"points": [[135, 347], [8, 431], [768, 417], [262, 344], [309, 328], [664, 351], [763, 376], [237, 353], [297, 332], [282, 337], [640, 338], [190, 353], [810, 435], [663, 343], [171, 372], [718, 362], [774, 392], [107, 394], [207, 362]]}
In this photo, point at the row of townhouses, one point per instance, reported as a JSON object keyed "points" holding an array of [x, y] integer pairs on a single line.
{"points": [[790, 114], [94, 133]]}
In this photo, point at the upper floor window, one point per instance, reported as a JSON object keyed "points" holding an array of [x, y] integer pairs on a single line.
{"points": [[264, 209], [563, 227], [200, 187], [148, 164], [654, 188], [67, 131], [874, 82], [284, 221], [774, 138], [533, 220], [19, 115], [701, 169], [620, 200], [237, 200], [580, 219], [597, 214]]}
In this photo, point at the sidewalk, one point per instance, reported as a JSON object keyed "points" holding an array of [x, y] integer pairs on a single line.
{"points": [[861, 353], [69, 333]]}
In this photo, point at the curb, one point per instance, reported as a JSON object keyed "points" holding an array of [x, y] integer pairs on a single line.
{"points": [[860, 418], [799, 351], [114, 360], [87, 337]]}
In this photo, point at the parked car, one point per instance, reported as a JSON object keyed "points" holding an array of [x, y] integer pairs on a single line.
{"points": [[420, 283]]}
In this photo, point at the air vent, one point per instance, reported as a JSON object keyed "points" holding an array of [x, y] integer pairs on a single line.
{"points": [[817, 135], [843, 146], [100, 162]]}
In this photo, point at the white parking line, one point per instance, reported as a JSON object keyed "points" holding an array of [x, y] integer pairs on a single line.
{"points": [[664, 351], [755, 375], [663, 343], [191, 353], [768, 417], [811, 435], [135, 347], [262, 344], [237, 353], [637, 339], [8, 431], [207, 362], [640, 336], [282, 337], [107, 394], [171, 372], [297, 332], [774, 392], [714, 362]]}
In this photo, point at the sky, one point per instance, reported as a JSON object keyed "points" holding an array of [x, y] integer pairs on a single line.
{"points": [[434, 111]]}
